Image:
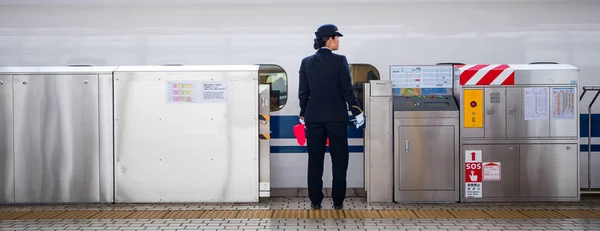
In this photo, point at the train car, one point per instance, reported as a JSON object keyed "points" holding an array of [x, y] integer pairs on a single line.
{"points": [[278, 34]]}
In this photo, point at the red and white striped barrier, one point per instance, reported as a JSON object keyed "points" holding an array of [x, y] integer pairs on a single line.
{"points": [[486, 74]]}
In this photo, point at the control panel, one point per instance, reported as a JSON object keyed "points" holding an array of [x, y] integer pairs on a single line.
{"points": [[473, 108], [425, 103]]}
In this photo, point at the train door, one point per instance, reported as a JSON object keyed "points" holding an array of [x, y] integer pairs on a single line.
{"points": [[276, 78], [362, 73]]}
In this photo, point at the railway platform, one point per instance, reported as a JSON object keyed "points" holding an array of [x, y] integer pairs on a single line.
{"points": [[293, 213]]}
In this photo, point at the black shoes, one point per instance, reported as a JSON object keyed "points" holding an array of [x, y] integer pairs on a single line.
{"points": [[315, 207]]}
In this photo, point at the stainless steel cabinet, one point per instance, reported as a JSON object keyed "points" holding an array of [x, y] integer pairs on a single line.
{"points": [[549, 170], [56, 138], [423, 166], [508, 158], [7, 180]]}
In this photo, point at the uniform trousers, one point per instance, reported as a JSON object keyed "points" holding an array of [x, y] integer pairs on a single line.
{"points": [[316, 137]]}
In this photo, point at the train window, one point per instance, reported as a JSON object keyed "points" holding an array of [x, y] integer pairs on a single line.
{"points": [[362, 73], [277, 79]]}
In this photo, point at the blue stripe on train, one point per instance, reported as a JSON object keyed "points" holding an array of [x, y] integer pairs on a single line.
{"points": [[303, 149], [583, 125], [282, 128]]}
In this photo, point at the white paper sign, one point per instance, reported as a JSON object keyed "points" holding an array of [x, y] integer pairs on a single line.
{"points": [[182, 92], [472, 156], [473, 190], [214, 92], [536, 103], [491, 171], [563, 103]]}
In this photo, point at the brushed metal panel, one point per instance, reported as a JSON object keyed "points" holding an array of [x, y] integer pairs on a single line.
{"points": [[508, 186], [56, 138], [546, 74], [426, 114], [595, 174], [186, 152], [495, 112], [7, 177], [380, 150], [565, 127], [105, 107], [516, 125], [264, 145], [549, 170], [367, 138], [422, 166], [381, 88], [516, 141]]}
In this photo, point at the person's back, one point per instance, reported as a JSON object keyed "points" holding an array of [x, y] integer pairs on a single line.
{"points": [[325, 89], [323, 72]]}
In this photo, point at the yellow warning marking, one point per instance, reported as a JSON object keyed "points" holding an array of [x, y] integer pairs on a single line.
{"points": [[433, 214], [255, 214], [542, 214], [506, 214], [12, 215], [148, 214], [301, 214], [397, 214], [290, 214], [326, 214], [469, 214], [219, 214], [265, 136], [35, 215], [184, 214], [361, 214], [113, 214], [266, 116], [579, 214], [77, 214]]}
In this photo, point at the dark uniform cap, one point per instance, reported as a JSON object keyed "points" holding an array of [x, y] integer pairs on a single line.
{"points": [[328, 29]]}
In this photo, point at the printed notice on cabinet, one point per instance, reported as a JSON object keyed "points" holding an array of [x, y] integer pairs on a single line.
{"points": [[182, 92], [214, 92], [536, 103], [474, 190], [563, 103]]}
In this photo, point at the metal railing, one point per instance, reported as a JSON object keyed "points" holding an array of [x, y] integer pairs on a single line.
{"points": [[595, 88]]}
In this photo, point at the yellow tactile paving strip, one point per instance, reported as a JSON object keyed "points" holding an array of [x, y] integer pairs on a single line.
{"points": [[302, 214], [506, 214]]}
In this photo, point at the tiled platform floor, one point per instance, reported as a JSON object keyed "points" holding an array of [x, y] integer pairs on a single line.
{"points": [[291, 213], [295, 203], [304, 224]]}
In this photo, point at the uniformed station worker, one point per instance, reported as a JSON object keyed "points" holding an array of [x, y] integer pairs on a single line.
{"points": [[326, 94]]}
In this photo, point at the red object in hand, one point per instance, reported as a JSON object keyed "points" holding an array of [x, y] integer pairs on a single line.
{"points": [[300, 134]]}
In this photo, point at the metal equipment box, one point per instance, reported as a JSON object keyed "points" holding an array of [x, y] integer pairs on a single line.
{"points": [[519, 132], [62, 120], [187, 134], [425, 127]]}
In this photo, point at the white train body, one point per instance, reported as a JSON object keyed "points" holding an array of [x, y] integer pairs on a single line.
{"points": [[379, 33]]}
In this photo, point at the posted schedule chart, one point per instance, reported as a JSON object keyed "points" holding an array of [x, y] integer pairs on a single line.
{"points": [[422, 76]]}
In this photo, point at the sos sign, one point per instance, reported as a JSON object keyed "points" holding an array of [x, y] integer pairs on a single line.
{"points": [[474, 166], [473, 172]]}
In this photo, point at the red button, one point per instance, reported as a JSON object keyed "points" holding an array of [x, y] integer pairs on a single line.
{"points": [[473, 104]]}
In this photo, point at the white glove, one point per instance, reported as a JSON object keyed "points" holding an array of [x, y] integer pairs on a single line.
{"points": [[301, 120], [360, 120]]}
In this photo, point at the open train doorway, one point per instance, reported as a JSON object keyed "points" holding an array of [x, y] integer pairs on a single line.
{"points": [[362, 73]]}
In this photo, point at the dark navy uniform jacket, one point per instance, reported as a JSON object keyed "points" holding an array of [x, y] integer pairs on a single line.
{"points": [[325, 88]]}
